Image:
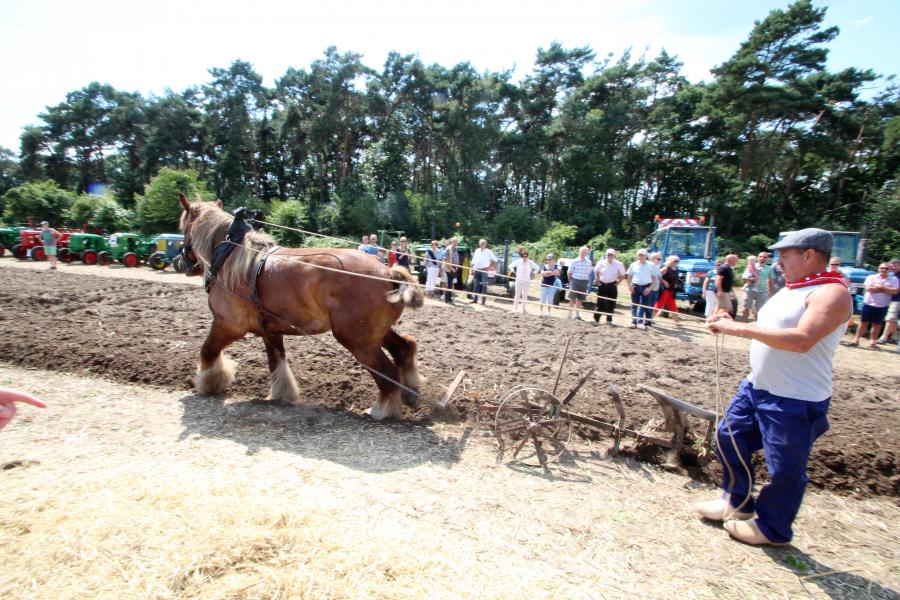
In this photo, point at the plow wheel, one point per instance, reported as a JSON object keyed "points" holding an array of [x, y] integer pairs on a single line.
{"points": [[530, 422]]}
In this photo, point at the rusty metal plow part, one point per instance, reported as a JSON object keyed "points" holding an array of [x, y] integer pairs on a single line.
{"points": [[529, 420], [537, 425]]}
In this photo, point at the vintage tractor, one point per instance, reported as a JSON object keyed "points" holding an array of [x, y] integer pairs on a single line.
{"points": [[130, 248], [31, 244], [89, 248], [694, 243], [167, 252], [9, 237]]}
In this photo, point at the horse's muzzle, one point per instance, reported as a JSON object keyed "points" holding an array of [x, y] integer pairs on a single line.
{"points": [[192, 268]]}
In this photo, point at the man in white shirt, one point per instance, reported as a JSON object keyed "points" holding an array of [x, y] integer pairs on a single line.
{"points": [[782, 405], [608, 273], [482, 260], [641, 275]]}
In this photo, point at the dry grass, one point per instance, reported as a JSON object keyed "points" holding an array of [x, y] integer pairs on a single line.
{"points": [[139, 493]]}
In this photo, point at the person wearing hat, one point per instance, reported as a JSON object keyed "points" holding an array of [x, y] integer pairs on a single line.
{"points": [[781, 407], [49, 237], [879, 289], [608, 273]]}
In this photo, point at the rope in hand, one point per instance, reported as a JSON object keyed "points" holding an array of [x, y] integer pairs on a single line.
{"points": [[722, 411]]}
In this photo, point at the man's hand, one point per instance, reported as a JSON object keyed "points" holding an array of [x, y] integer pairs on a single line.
{"points": [[721, 322], [8, 398], [647, 291]]}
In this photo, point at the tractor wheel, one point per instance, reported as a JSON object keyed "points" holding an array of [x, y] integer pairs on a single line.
{"points": [[89, 257], [65, 255], [20, 252], [157, 261], [104, 258], [130, 259], [38, 254]]}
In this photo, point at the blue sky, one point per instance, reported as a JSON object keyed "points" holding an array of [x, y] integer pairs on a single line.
{"points": [[52, 47]]}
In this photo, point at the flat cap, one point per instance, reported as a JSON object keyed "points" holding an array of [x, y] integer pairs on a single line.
{"points": [[817, 239]]}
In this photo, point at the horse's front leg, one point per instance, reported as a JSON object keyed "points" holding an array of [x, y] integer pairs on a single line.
{"points": [[216, 371], [284, 386]]}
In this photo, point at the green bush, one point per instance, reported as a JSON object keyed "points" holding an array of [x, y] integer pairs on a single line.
{"points": [[158, 209], [42, 200], [290, 213], [102, 212]]}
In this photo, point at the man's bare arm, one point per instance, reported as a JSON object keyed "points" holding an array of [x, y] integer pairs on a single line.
{"points": [[826, 309]]}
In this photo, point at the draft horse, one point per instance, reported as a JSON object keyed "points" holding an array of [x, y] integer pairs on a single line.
{"points": [[289, 295]]}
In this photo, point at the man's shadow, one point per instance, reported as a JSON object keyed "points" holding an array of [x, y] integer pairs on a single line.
{"points": [[840, 584], [346, 438]]}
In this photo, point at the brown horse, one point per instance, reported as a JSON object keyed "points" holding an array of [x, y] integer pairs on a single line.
{"points": [[295, 297]]}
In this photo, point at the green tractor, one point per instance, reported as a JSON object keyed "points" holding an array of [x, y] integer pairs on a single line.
{"points": [[130, 249], [89, 248], [9, 237]]}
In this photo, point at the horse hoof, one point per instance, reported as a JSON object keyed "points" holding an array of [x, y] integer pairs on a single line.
{"points": [[409, 399], [217, 378]]}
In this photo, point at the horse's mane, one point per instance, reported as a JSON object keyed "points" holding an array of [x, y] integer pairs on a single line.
{"points": [[209, 228]]}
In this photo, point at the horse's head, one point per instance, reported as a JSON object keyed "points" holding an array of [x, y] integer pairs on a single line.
{"points": [[189, 215]]}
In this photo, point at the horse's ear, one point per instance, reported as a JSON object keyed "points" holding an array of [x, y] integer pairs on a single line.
{"points": [[184, 201], [218, 203]]}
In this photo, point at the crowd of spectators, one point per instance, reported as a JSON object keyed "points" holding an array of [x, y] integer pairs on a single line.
{"points": [[653, 283]]}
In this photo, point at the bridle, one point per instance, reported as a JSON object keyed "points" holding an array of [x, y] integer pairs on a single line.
{"points": [[191, 266]]}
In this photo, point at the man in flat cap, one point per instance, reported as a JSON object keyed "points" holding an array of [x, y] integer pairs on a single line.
{"points": [[781, 407]]}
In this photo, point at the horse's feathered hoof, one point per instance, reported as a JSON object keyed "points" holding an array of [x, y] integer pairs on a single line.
{"points": [[217, 378]]}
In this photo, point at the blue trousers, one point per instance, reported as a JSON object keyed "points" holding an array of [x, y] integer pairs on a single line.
{"points": [[784, 429], [640, 307], [479, 284]]}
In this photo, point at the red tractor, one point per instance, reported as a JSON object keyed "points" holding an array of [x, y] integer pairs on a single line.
{"points": [[30, 243]]}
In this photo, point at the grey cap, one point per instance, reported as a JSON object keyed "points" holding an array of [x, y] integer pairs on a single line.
{"points": [[44, 223], [817, 239]]}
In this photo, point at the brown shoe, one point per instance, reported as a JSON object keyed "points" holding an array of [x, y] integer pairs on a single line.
{"points": [[718, 509], [749, 533]]}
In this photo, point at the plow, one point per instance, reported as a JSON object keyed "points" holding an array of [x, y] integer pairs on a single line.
{"points": [[536, 425]]}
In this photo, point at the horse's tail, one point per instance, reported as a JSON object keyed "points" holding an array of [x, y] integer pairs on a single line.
{"points": [[408, 295]]}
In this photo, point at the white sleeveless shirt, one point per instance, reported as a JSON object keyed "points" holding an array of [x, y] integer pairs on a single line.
{"points": [[798, 375]]}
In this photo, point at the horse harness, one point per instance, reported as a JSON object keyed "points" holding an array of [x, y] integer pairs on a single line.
{"points": [[234, 237]]}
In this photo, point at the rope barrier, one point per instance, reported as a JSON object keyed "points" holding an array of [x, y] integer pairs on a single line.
{"points": [[300, 260], [472, 269]]}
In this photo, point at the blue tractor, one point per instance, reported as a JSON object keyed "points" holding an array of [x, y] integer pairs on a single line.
{"points": [[692, 241], [849, 248], [167, 251]]}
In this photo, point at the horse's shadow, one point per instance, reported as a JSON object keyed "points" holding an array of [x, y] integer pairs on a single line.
{"points": [[346, 438]]}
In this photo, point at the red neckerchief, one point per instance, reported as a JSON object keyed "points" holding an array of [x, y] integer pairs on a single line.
{"points": [[820, 279]]}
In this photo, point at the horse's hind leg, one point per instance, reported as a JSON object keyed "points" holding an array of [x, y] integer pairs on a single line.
{"points": [[403, 349], [284, 386], [388, 404], [216, 371]]}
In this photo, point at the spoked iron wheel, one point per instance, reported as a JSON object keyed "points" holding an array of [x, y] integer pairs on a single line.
{"points": [[530, 422]]}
